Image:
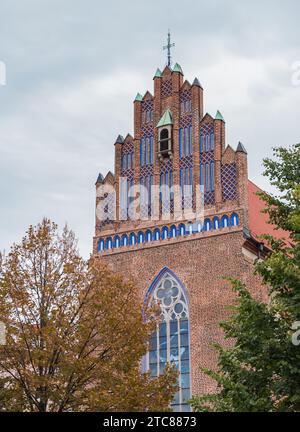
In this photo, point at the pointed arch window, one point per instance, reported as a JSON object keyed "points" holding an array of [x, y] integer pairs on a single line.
{"points": [[225, 221], [212, 141], [212, 176], [109, 243], [132, 239], [141, 237], [165, 233], [149, 236], [190, 228], [202, 175], [173, 231], [146, 151], [186, 142], [234, 220], [117, 242], [190, 140], [182, 230], [201, 142], [216, 223], [157, 234], [124, 241], [101, 245], [170, 342], [180, 143], [151, 150], [207, 177]]}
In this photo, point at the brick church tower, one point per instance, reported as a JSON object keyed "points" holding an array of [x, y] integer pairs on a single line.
{"points": [[148, 227]]}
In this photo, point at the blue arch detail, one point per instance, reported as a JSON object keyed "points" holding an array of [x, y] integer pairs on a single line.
{"points": [[156, 235], [101, 245], [190, 228], [116, 242], [165, 233], [225, 221], [132, 239], [234, 219], [182, 230], [141, 237], [216, 223], [207, 225], [149, 236], [109, 243], [124, 240], [199, 227], [173, 231]]}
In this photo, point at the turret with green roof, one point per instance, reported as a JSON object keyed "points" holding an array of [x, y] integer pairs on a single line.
{"points": [[177, 68], [166, 119], [219, 116], [158, 73], [138, 98]]}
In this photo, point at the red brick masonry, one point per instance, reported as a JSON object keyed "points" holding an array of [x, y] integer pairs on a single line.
{"points": [[201, 260]]}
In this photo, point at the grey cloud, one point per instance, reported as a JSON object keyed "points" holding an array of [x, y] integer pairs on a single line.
{"points": [[74, 67]]}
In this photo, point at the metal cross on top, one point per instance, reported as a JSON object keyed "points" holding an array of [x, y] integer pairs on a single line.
{"points": [[168, 47]]}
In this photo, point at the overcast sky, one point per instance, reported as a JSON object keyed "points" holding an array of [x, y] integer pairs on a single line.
{"points": [[73, 68]]}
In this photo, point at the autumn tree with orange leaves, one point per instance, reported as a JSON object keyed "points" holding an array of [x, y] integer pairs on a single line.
{"points": [[75, 332]]}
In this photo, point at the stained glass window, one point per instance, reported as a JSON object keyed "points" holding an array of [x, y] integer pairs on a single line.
{"points": [[170, 342]]}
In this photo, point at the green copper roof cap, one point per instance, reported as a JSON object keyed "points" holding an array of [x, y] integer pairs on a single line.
{"points": [[166, 119], [138, 98], [241, 148], [219, 116], [177, 68], [158, 73]]}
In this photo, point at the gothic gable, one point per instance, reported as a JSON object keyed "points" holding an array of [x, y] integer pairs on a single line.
{"points": [[228, 156], [185, 86], [207, 119]]}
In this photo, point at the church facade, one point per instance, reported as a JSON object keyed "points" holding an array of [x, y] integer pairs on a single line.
{"points": [[179, 215]]}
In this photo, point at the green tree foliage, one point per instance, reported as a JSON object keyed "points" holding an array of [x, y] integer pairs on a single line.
{"points": [[75, 333], [261, 371]]}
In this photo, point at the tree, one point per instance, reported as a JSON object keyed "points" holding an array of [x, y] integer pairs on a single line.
{"points": [[261, 370], [75, 332]]}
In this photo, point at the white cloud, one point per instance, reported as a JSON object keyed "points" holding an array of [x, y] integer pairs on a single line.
{"points": [[56, 143]]}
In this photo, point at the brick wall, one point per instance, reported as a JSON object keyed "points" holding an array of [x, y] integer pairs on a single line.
{"points": [[200, 261], [201, 265], [160, 101]]}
